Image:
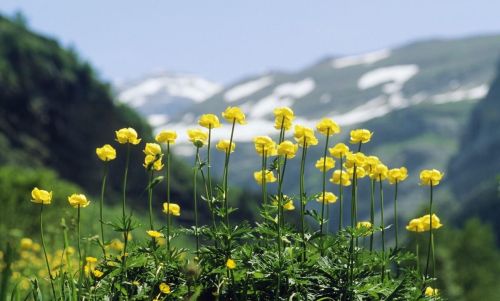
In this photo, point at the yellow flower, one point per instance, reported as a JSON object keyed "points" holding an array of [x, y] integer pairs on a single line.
{"points": [[106, 153], [328, 127], [154, 234], [127, 135], [78, 200], [431, 292], [230, 264], [426, 222], [269, 177], [305, 136], [325, 163], [357, 159], [172, 209], [283, 117], [288, 149], [371, 162], [232, 114], [90, 259], [415, 225], [116, 245], [360, 136], [379, 172], [198, 137], [153, 161], [209, 121], [339, 150], [26, 243], [265, 145], [40, 196], [330, 198], [152, 149], [288, 206], [223, 145], [166, 137], [97, 273], [335, 179], [360, 172], [366, 225], [430, 177], [165, 288], [397, 175]]}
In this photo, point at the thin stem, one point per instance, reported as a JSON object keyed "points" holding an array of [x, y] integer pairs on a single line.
{"points": [[195, 196], [324, 191], [418, 258], [372, 210], [226, 172], [79, 253], [429, 249], [302, 199], [382, 224], [125, 223], [209, 177], [103, 189], [263, 177], [150, 200], [341, 189], [169, 223], [396, 212], [45, 252]]}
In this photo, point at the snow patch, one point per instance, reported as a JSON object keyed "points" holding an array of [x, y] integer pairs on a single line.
{"points": [[397, 75], [461, 94], [364, 59], [157, 119], [243, 90]]}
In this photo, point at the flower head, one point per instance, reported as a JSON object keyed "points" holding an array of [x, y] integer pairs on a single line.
{"points": [[329, 198], [154, 234], [198, 137], [172, 209], [325, 163], [426, 222], [152, 149], [360, 136], [328, 127], [305, 136], [339, 150], [431, 292], [288, 149], [78, 200], [430, 177], [165, 288], [415, 225], [90, 259], [288, 206], [379, 172], [166, 137], [209, 121], [223, 146], [268, 178], [357, 159], [97, 273], [154, 162], [231, 264], [234, 114], [365, 225], [283, 118], [106, 153], [371, 162], [26, 243], [40, 196], [264, 145], [127, 135], [397, 175], [344, 180], [360, 172]]}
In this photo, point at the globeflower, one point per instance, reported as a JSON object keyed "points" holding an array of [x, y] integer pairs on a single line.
{"points": [[360, 172], [430, 177], [357, 159], [154, 162], [223, 146], [283, 118], [234, 114], [269, 177], [127, 135], [166, 137], [397, 175], [379, 172], [265, 145], [26, 243], [231, 264], [172, 209], [288, 206], [209, 121], [335, 179], [287, 148], [154, 234], [325, 163], [415, 225], [152, 149], [360, 136], [165, 288], [431, 292], [78, 200], [328, 127], [106, 153], [371, 162], [364, 225], [305, 136], [330, 198], [339, 150], [40, 196], [426, 222], [198, 137]]}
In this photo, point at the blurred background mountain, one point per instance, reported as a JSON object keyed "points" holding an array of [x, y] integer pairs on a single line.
{"points": [[432, 103]]}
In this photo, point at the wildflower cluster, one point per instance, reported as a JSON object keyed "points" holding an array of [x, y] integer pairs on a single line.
{"points": [[284, 255]]}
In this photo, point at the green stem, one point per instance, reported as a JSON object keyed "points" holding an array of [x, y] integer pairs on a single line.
{"points": [[341, 189], [169, 222], [80, 265], [302, 199], [209, 177], [382, 224], [418, 258], [324, 190], [280, 220], [195, 196], [263, 173], [45, 252], [396, 212], [103, 189], [430, 250], [125, 223], [150, 200], [372, 210], [226, 172]]}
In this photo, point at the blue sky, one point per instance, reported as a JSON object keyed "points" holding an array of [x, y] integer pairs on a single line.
{"points": [[227, 40]]}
